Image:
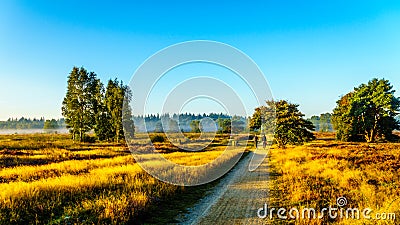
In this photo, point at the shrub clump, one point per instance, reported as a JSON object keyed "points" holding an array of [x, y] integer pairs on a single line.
{"points": [[157, 138]]}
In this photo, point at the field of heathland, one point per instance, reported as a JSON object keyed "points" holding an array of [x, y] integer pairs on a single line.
{"points": [[50, 179]]}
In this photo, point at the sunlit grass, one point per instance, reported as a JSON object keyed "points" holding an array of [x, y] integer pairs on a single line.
{"points": [[48, 178], [30, 173], [317, 174]]}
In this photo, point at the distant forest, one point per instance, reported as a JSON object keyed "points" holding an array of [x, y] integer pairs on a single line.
{"points": [[28, 123], [154, 123], [322, 123]]}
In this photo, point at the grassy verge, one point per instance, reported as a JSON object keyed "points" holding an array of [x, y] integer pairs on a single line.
{"points": [[315, 175]]}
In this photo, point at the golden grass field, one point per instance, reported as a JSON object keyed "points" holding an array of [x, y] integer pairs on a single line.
{"points": [[316, 174], [49, 179]]}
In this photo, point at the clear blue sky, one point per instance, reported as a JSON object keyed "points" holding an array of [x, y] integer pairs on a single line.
{"points": [[310, 51]]}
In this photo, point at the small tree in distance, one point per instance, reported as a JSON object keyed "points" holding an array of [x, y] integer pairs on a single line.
{"points": [[322, 123], [225, 125], [173, 126], [325, 121], [195, 126]]}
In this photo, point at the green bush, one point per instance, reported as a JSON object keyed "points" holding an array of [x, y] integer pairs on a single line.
{"points": [[157, 138]]}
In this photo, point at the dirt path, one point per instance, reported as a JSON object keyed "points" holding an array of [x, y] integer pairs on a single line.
{"points": [[236, 199]]}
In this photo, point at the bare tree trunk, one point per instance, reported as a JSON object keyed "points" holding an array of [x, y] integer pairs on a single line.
{"points": [[370, 136], [80, 135], [117, 135]]}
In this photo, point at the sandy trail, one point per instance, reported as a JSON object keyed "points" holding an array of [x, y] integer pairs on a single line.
{"points": [[236, 199]]}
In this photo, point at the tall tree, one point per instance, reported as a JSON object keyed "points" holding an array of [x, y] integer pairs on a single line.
{"points": [[103, 127], [285, 120], [127, 116], [367, 113], [102, 117], [342, 121], [117, 99], [78, 106]]}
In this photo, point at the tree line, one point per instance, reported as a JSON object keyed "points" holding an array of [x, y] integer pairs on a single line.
{"points": [[368, 113], [228, 125], [170, 122], [27, 123], [190, 122], [88, 106]]}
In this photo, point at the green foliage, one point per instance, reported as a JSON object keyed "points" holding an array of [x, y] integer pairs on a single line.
{"points": [[148, 123], [157, 138], [103, 127], [322, 123], [127, 117], [238, 124], [367, 113], [342, 121], [50, 124], [225, 125], [195, 126], [88, 106], [79, 104], [315, 120], [158, 127], [285, 120], [256, 120], [325, 122], [27, 123], [173, 126], [291, 127], [115, 113], [117, 99]]}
